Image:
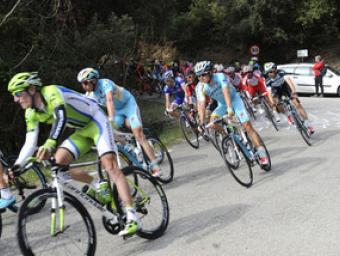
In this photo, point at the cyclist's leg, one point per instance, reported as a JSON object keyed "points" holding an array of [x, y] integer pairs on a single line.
{"points": [[107, 152], [7, 198], [134, 121], [219, 112]]}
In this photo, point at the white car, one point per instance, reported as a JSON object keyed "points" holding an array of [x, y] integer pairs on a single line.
{"points": [[303, 76]]}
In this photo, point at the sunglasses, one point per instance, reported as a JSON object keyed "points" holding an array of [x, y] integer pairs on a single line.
{"points": [[205, 74], [86, 82], [18, 94]]}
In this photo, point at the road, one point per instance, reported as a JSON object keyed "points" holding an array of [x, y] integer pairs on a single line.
{"points": [[293, 210]]}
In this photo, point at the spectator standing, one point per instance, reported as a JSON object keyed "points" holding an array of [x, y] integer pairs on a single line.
{"points": [[318, 69]]}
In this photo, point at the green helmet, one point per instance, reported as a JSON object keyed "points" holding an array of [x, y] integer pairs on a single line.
{"points": [[21, 81]]}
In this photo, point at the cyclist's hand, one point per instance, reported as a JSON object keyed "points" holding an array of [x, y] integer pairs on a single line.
{"points": [[201, 128], [14, 171], [45, 151], [230, 112]]}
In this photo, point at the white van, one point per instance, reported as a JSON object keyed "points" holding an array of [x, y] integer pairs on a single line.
{"points": [[303, 77]]}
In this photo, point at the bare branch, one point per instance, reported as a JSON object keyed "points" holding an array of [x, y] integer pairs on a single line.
{"points": [[10, 13], [24, 59]]}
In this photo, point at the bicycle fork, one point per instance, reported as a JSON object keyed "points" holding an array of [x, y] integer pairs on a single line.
{"points": [[57, 204]]}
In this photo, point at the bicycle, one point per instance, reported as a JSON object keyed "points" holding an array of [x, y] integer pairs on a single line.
{"points": [[299, 124], [189, 126], [74, 221], [139, 158], [238, 151], [18, 181], [248, 103], [268, 110]]}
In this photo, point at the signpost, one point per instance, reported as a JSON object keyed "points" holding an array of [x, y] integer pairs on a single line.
{"points": [[254, 50], [302, 53]]}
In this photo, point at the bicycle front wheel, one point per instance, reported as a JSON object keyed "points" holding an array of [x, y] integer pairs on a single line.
{"points": [[163, 158], [190, 132], [70, 232], [237, 162], [302, 129], [150, 202], [270, 115]]}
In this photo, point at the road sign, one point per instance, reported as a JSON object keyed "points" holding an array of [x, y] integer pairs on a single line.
{"points": [[302, 53], [254, 50]]}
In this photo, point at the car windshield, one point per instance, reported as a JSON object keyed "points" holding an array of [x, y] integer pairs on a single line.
{"points": [[334, 70]]}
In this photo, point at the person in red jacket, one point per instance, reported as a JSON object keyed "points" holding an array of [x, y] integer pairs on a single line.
{"points": [[317, 68]]}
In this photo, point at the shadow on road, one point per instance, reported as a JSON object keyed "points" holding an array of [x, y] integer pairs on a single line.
{"points": [[194, 227], [290, 165]]}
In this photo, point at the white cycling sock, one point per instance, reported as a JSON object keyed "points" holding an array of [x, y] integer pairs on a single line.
{"points": [[6, 193], [94, 184], [131, 214]]}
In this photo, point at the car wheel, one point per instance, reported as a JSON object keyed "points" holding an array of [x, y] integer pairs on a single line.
{"points": [[338, 91]]}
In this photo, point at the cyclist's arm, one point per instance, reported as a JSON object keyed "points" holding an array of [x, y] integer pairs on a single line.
{"points": [[227, 97], [29, 147], [167, 101], [290, 83], [200, 102], [110, 106]]}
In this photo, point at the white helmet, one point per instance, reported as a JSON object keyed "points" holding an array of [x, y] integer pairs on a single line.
{"points": [[168, 74], [269, 66], [202, 67], [230, 70], [248, 68], [87, 74]]}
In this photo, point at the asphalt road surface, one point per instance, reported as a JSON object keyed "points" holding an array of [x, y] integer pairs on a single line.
{"points": [[293, 210]]}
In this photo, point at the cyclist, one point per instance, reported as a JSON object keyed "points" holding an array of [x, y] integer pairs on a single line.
{"points": [[121, 108], [7, 198], [191, 82], [234, 78], [255, 85], [218, 87], [61, 107], [173, 86], [282, 85]]}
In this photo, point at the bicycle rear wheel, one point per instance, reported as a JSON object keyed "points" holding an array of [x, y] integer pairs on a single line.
{"points": [[34, 232], [237, 162], [150, 202], [163, 158], [190, 132]]}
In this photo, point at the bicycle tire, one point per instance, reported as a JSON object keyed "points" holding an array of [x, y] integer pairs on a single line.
{"points": [[301, 128], [44, 194], [141, 180], [249, 108], [166, 163], [0, 224], [269, 114], [193, 142], [236, 172], [267, 167]]}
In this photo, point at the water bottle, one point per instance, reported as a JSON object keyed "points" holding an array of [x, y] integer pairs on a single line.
{"points": [[104, 191]]}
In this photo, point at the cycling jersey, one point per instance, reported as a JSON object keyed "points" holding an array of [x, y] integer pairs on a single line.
{"points": [[278, 85], [236, 81], [215, 90], [254, 85], [120, 95], [64, 107], [176, 90], [125, 104]]}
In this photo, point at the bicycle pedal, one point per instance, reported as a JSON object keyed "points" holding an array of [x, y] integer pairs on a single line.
{"points": [[13, 208]]}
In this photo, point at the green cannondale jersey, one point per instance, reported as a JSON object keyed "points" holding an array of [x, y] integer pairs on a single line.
{"points": [[62, 107]]}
